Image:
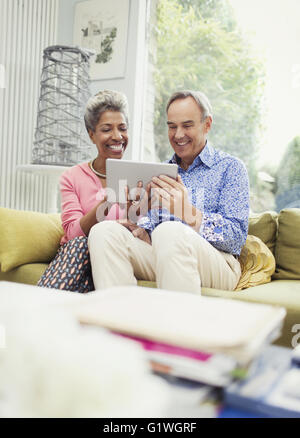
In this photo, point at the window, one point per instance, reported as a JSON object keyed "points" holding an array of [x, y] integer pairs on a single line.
{"points": [[244, 55]]}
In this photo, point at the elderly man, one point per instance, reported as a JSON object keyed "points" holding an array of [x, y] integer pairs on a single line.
{"points": [[195, 235]]}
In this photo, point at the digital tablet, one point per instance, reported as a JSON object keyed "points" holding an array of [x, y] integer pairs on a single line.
{"points": [[122, 173]]}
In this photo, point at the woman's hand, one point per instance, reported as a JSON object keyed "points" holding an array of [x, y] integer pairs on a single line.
{"points": [[173, 195], [136, 231], [97, 214], [140, 204], [102, 209]]}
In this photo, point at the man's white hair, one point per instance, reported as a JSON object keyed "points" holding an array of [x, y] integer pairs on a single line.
{"points": [[200, 98]]}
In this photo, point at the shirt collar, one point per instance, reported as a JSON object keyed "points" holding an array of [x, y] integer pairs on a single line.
{"points": [[206, 156]]}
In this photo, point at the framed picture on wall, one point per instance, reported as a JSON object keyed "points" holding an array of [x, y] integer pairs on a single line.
{"points": [[102, 25]]}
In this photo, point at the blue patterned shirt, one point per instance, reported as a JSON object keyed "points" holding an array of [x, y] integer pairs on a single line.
{"points": [[218, 186]]}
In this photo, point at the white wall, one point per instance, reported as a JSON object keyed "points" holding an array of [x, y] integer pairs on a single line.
{"points": [[133, 84]]}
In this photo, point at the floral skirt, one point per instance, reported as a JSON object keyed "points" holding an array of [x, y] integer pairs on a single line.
{"points": [[70, 269]]}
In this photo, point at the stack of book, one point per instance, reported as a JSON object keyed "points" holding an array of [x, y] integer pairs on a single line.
{"points": [[199, 366], [204, 339]]}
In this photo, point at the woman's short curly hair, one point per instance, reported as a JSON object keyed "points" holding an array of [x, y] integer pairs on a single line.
{"points": [[106, 100]]}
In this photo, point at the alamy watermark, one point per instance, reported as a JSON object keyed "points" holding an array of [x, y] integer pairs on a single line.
{"points": [[2, 76], [296, 337]]}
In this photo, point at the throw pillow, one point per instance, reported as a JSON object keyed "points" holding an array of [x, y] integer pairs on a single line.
{"points": [[287, 251], [264, 226], [257, 263], [28, 237]]}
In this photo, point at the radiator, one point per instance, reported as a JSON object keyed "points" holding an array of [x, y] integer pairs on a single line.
{"points": [[26, 28]]}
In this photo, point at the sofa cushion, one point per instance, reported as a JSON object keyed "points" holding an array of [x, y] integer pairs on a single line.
{"points": [[28, 274], [287, 251], [264, 226], [27, 237]]}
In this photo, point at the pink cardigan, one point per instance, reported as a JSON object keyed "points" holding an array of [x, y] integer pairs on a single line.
{"points": [[81, 190]]}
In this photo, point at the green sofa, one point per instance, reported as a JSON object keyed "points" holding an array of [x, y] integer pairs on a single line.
{"points": [[29, 240]]}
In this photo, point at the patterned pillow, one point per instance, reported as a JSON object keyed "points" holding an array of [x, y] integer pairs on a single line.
{"points": [[257, 263]]}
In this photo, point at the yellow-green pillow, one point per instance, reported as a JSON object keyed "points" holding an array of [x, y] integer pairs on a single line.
{"points": [[264, 226], [28, 237], [287, 251], [257, 263]]}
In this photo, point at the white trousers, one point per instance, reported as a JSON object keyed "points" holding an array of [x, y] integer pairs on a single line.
{"points": [[179, 259]]}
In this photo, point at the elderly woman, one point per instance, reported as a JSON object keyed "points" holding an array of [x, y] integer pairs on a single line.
{"points": [[83, 191]]}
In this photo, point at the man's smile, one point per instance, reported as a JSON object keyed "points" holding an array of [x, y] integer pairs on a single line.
{"points": [[182, 143]]}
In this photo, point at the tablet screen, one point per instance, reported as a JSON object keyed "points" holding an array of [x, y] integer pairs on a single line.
{"points": [[122, 173]]}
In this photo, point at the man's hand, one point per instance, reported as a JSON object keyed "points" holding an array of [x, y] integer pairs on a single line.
{"points": [[136, 231], [173, 195]]}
